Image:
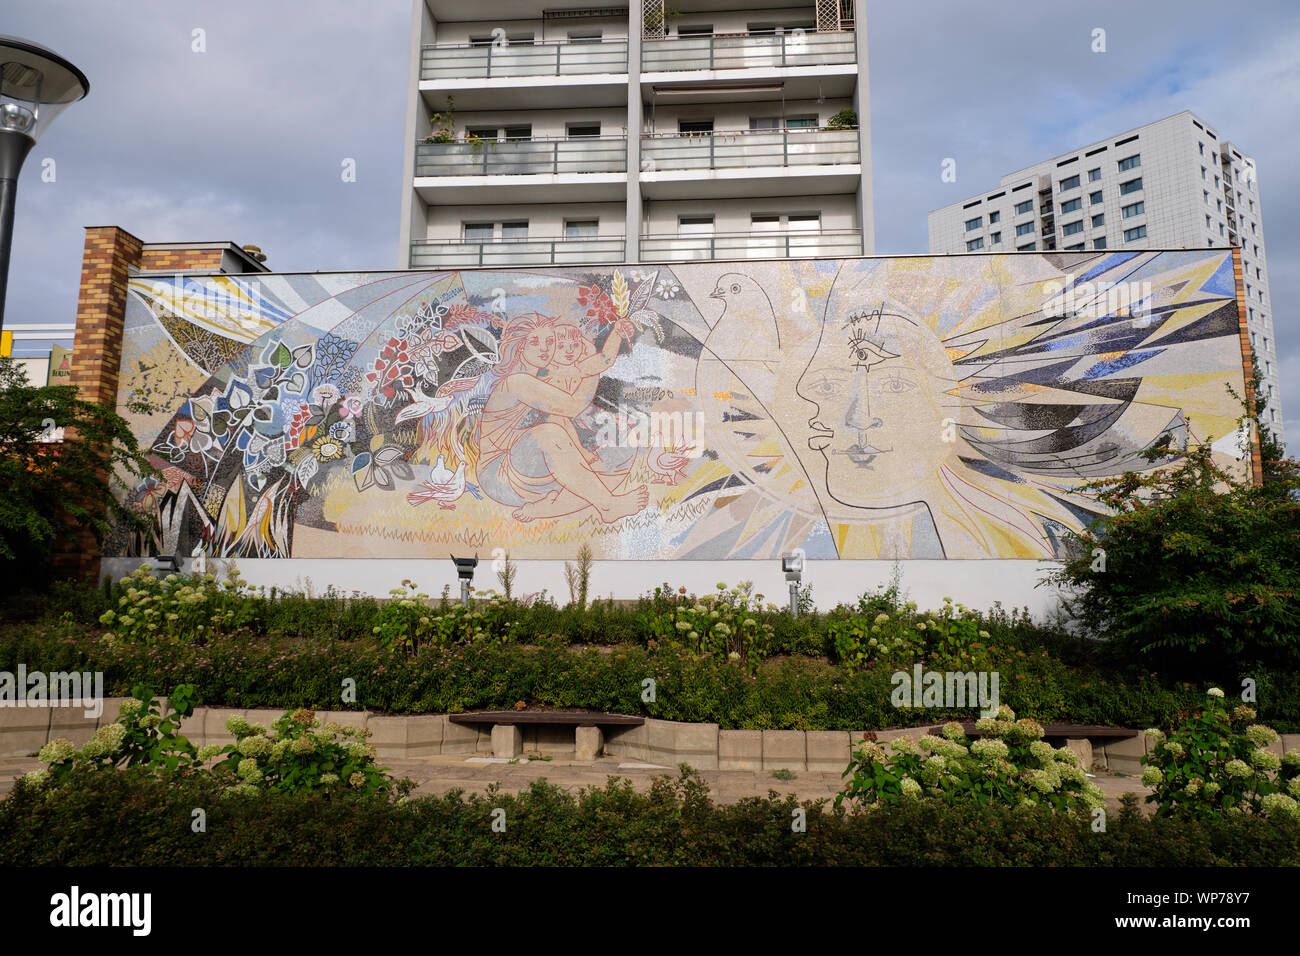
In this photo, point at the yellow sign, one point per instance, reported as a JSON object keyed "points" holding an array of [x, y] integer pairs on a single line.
{"points": [[6, 344]]}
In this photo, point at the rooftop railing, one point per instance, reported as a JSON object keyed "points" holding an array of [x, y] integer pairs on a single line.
{"points": [[482, 61]]}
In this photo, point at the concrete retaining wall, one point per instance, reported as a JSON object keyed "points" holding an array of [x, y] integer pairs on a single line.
{"points": [[24, 730]]}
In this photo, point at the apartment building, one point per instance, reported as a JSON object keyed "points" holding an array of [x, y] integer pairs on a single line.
{"points": [[701, 129], [1176, 183]]}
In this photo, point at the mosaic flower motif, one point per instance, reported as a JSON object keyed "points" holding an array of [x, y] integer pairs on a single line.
{"points": [[598, 304], [327, 448]]}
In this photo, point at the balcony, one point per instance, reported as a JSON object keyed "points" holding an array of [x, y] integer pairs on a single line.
{"points": [[747, 51], [481, 61], [741, 149], [501, 253], [523, 157], [589, 168], [791, 162], [750, 245]]}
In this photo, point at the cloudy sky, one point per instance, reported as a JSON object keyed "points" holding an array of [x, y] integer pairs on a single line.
{"points": [[245, 141]]}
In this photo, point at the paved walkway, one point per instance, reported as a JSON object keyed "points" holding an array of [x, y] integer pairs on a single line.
{"points": [[437, 775]]}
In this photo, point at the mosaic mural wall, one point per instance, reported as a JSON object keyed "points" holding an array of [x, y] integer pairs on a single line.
{"points": [[928, 407]]}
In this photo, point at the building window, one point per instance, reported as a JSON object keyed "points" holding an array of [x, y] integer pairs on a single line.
{"points": [[1099, 220], [1024, 229], [581, 228], [974, 244], [1099, 243], [994, 217], [1205, 193], [583, 130], [1074, 248], [801, 122], [694, 127], [1070, 228], [514, 230], [995, 239], [764, 123], [1071, 183], [523, 131], [974, 223], [1203, 172], [695, 30], [1132, 186], [694, 225], [1220, 229], [1071, 206], [1028, 247], [1130, 162], [1202, 145], [1094, 198], [1094, 175], [584, 36], [1220, 205], [1136, 209], [1138, 232], [1208, 223], [477, 231], [1024, 207]]}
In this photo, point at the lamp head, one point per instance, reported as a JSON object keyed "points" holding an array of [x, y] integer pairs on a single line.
{"points": [[465, 567], [792, 565], [35, 85]]}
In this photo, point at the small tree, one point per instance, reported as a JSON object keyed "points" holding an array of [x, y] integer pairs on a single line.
{"points": [[1194, 568], [53, 488]]}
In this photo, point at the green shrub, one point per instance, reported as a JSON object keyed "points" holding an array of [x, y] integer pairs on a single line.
{"points": [[300, 756], [1218, 762], [1010, 765], [179, 607], [128, 818], [1195, 571], [726, 625]]}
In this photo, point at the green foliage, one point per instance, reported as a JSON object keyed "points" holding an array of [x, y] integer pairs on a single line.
{"points": [[144, 735], [178, 607], [300, 756], [1195, 570], [675, 823], [724, 625], [1010, 765], [54, 489], [844, 119], [1218, 762]]}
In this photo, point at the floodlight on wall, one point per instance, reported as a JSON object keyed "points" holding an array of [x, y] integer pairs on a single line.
{"points": [[792, 564], [465, 571], [35, 85]]}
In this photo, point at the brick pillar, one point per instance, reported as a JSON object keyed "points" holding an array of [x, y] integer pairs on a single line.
{"points": [[1247, 367], [97, 355]]}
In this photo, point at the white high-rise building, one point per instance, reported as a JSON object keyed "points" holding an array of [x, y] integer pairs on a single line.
{"points": [[701, 129], [1176, 183]]}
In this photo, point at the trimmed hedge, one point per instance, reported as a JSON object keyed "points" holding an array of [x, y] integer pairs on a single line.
{"points": [[791, 693], [116, 819]]}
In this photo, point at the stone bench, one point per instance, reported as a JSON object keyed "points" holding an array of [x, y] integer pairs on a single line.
{"points": [[507, 735]]}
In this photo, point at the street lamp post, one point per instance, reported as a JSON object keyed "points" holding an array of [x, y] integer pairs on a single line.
{"points": [[35, 85]]}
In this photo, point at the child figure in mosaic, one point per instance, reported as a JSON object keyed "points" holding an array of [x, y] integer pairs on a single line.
{"points": [[574, 361]]}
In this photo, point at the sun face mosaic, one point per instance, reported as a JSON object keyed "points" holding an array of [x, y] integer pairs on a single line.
{"points": [[927, 407]]}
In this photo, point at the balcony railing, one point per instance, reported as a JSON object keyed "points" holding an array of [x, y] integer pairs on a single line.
{"points": [[523, 157], [735, 52], [752, 245], [480, 61], [730, 150], [465, 254]]}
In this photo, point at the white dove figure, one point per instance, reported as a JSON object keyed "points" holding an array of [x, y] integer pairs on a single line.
{"points": [[746, 336], [442, 486], [424, 406]]}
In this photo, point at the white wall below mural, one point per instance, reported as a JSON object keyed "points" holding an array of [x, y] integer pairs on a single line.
{"points": [[976, 584]]}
